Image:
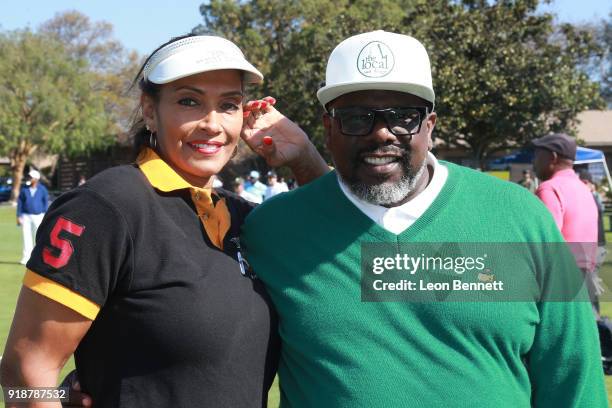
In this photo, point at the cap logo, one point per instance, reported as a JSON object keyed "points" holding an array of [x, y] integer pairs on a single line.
{"points": [[215, 57], [375, 60]]}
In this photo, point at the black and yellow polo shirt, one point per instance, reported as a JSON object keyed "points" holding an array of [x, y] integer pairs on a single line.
{"points": [[152, 261]]}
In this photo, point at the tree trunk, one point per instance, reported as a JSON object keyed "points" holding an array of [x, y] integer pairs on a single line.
{"points": [[18, 161]]}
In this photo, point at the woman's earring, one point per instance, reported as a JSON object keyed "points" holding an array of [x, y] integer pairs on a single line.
{"points": [[152, 139]]}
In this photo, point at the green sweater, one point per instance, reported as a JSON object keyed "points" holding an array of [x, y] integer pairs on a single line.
{"points": [[339, 351]]}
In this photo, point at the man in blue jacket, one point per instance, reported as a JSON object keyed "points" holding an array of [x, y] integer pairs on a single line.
{"points": [[31, 207]]}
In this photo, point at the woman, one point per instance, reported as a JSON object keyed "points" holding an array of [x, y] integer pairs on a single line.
{"points": [[137, 271]]}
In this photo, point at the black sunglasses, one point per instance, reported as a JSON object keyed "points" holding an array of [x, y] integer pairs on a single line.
{"points": [[359, 121]]}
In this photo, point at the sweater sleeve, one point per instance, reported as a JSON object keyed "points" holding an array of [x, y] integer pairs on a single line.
{"points": [[564, 361]]}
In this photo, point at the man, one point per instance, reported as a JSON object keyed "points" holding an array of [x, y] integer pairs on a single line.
{"points": [[274, 187], [309, 247], [587, 179], [254, 186], [32, 204], [569, 201], [238, 188], [566, 197], [528, 182]]}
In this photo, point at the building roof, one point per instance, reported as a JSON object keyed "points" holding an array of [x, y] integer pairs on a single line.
{"points": [[595, 127]]}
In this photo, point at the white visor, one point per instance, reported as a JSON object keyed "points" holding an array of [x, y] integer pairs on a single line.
{"points": [[193, 55]]}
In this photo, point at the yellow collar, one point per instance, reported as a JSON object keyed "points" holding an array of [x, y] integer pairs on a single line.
{"points": [[215, 217], [159, 173]]}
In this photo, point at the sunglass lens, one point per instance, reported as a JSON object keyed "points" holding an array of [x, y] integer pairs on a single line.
{"points": [[403, 121], [356, 122]]}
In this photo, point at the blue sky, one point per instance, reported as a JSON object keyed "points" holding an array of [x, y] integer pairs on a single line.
{"points": [[143, 25]]}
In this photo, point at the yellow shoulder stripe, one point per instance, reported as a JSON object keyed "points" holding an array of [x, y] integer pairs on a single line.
{"points": [[60, 294]]}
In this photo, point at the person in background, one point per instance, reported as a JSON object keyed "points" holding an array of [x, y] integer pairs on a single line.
{"points": [[587, 179], [274, 186], [569, 201], [528, 181], [82, 180], [32, 204], [291, 184], [217, 183], [238, 188], [254, 186]]}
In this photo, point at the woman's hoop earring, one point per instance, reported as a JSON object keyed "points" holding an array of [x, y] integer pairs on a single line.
{"points": [[152, 139]]}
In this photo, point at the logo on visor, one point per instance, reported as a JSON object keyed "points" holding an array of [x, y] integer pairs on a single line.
{"points": [[375, 60], [215, 57]]}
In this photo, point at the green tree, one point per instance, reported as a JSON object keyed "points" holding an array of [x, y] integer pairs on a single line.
{"points": [[502, 73], [113, 66], [48, 101], [603, 60]]}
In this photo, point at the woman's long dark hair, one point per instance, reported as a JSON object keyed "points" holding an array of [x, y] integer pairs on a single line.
{"points": [[138, 131]]}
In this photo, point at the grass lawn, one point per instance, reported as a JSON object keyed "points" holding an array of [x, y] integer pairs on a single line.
{"points": [[11, 274]]}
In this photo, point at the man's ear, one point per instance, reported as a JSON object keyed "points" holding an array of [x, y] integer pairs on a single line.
{"points": [[327, 123], [430, 122], [554, 157], [148, 112]]}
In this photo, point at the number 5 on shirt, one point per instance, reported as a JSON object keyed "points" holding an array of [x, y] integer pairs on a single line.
{"points": [[63, 245]]}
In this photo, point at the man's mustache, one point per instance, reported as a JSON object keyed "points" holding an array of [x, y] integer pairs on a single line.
{"points": [[389, 149]]}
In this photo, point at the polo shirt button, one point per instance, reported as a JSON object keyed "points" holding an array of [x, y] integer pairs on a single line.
{"points": [[205, 216], [197, 196]]}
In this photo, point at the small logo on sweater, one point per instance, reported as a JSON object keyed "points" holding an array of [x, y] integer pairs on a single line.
{"points": [[486, 276]]}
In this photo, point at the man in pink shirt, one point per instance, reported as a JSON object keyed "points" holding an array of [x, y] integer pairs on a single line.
{"points": [[568, 199]]}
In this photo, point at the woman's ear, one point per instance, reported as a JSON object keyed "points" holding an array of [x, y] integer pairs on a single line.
{"points": [[147, 105]]}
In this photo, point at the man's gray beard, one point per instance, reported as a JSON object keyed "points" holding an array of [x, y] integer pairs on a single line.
{"points": [[387, 192]]}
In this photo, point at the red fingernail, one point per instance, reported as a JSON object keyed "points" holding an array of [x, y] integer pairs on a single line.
{"points": [[270, 100], [256, 105], [245, 114], [267, 140], [264, 105]]}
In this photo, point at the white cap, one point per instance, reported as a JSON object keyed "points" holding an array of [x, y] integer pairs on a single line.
{"points": [[193, 55], [34, 174], [254, 174], [378, 60]]}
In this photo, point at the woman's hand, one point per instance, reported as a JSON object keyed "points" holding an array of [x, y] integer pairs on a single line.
{"points": [[280, 141], [270, 134]]}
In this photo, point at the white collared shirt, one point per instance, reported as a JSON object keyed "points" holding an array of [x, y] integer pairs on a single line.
{"points": [[398, 219]]}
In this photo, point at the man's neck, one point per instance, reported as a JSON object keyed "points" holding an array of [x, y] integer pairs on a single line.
{"points": [[560, 169]]}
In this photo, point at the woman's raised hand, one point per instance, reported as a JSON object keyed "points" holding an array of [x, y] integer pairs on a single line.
{"points": [[270, 134], [280, 141]]}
